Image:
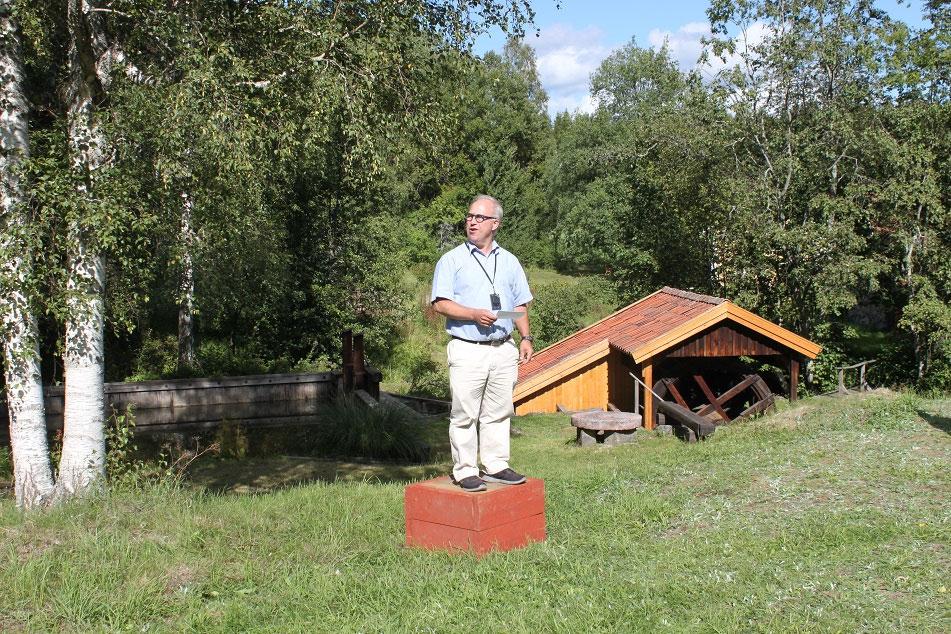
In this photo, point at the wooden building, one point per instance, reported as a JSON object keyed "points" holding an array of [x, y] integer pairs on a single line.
{"points": [[666, 334]]}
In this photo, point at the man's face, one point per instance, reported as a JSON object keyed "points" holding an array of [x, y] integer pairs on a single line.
{"points": [[480, 232]]}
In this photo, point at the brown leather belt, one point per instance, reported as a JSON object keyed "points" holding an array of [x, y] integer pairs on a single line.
{"points": [[490, 342]]}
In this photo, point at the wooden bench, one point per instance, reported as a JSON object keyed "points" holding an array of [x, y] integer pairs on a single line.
{"points": [[605, 428]]}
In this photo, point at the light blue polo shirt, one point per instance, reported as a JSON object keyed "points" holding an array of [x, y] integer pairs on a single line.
{"points": [[458, 277]]}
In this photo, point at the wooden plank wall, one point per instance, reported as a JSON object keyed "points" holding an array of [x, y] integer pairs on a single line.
{"points": [[191, 403], [585, 389], [725, 340], [620, 384]]}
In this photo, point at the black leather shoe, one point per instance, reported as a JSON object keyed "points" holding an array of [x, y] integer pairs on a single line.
{"points": [[505, 476]]}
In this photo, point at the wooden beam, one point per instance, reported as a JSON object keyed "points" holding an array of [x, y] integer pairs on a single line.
{"points": [[757, 407], [793, 379], [701, 427], [730, 393], [711, 397], [672, 388], [647, 376]]}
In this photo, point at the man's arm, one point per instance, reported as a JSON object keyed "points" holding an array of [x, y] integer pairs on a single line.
{"points": [[525, 347], [454, 310]]}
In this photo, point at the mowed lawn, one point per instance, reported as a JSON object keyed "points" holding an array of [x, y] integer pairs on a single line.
{"points": [[832, 515]]}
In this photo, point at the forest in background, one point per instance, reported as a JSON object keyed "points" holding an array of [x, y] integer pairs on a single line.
{"points": [[222, 188], [280, 200]]}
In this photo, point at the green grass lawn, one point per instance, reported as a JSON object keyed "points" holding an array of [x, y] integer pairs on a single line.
{"points": [[829, 516]]}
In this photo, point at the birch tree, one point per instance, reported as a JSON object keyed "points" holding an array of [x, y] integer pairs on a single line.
{"points": [[33, 478], [90, 74]]}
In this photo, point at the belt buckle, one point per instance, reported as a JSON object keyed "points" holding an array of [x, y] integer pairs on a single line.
{"points": [[495, 343]]}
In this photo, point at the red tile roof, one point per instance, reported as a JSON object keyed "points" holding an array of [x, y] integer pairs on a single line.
{"points": [[628, 328]]}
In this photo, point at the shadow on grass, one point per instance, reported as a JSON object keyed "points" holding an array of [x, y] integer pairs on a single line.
{"points": [[938, 422], [262, 474], [258, 460]]}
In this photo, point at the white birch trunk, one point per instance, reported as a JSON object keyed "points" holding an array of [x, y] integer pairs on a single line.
{"points": [[186, 289], [32, 476], [82, 466]]}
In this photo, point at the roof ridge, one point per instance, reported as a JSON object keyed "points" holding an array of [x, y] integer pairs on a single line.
{"points": [[697, 297]]}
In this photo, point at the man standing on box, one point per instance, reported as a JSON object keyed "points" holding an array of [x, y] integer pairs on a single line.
{"points": [[473, 283]]}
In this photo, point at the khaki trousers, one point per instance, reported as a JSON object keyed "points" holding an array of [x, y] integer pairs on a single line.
{"points": [[482, 379]]}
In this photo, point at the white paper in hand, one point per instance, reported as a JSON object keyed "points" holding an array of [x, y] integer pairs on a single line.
{"points": [[509, 314]]}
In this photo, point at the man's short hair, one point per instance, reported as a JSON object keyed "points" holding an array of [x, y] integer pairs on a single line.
{"points": [[495, 204]]}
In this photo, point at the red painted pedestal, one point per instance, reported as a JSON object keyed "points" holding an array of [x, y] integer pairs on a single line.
{"points": [[441, 516]]}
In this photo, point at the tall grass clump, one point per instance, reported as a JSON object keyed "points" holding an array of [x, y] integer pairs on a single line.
{"points": [[348, 428], [6, 464]]}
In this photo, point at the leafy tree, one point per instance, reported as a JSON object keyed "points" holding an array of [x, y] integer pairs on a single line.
{"points": [[329, 82], [637, 184]]}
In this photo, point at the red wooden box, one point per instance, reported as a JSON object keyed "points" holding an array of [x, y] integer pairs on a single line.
{"points": [[441, 516]]}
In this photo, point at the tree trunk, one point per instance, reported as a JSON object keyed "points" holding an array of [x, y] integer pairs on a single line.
{"points": [[84, 441], [186, 289], [32, 476], [82, 465]]}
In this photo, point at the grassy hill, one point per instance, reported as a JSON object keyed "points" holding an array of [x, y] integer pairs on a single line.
{"points": [[829, 516]]}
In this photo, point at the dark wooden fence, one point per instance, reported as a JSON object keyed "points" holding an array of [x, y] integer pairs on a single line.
{"points": [[177, 405], [261, 400]]}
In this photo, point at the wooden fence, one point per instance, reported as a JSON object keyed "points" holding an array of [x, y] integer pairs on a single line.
{"points": [[187, 404], [261, 400]]}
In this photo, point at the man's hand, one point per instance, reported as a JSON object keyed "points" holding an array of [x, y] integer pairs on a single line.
{"points": [[483, 317], [525, 351]]}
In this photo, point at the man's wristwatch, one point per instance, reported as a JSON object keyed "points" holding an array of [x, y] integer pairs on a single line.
{"points": [[529, 339]]}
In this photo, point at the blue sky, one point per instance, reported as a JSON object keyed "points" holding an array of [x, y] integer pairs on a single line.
{"points": [[574, 39]]}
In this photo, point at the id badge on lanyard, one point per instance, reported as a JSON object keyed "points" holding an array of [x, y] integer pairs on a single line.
{"points": [[494, 298]]}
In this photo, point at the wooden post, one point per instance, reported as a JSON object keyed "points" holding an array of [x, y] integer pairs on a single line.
{"points": [[356, 360], [647, 375], [863, 386], [793, 379], [637, 398], [347, 362]]}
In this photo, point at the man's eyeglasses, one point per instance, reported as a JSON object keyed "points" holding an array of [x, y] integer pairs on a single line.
{"points": [[479, 218]]}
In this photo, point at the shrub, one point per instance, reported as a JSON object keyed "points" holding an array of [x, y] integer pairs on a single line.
{"points": [[428, 378], [561, 308], [232, 440], [125, 469], [347, 427]]}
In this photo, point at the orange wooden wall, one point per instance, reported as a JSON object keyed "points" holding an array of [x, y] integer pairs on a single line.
{"points": [[585, 389]]}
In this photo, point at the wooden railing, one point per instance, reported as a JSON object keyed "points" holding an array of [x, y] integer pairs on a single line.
{"points": [[862, 385]]}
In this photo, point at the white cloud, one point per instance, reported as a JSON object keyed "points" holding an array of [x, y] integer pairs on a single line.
{"points": [[566, 58], [684, 45]]}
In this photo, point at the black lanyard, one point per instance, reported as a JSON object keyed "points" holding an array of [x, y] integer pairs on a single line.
{"points": [[495, 269]]}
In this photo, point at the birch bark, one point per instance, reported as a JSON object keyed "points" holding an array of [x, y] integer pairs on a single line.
{"points": [[82, 465], [186, 288], [33, 478]]}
